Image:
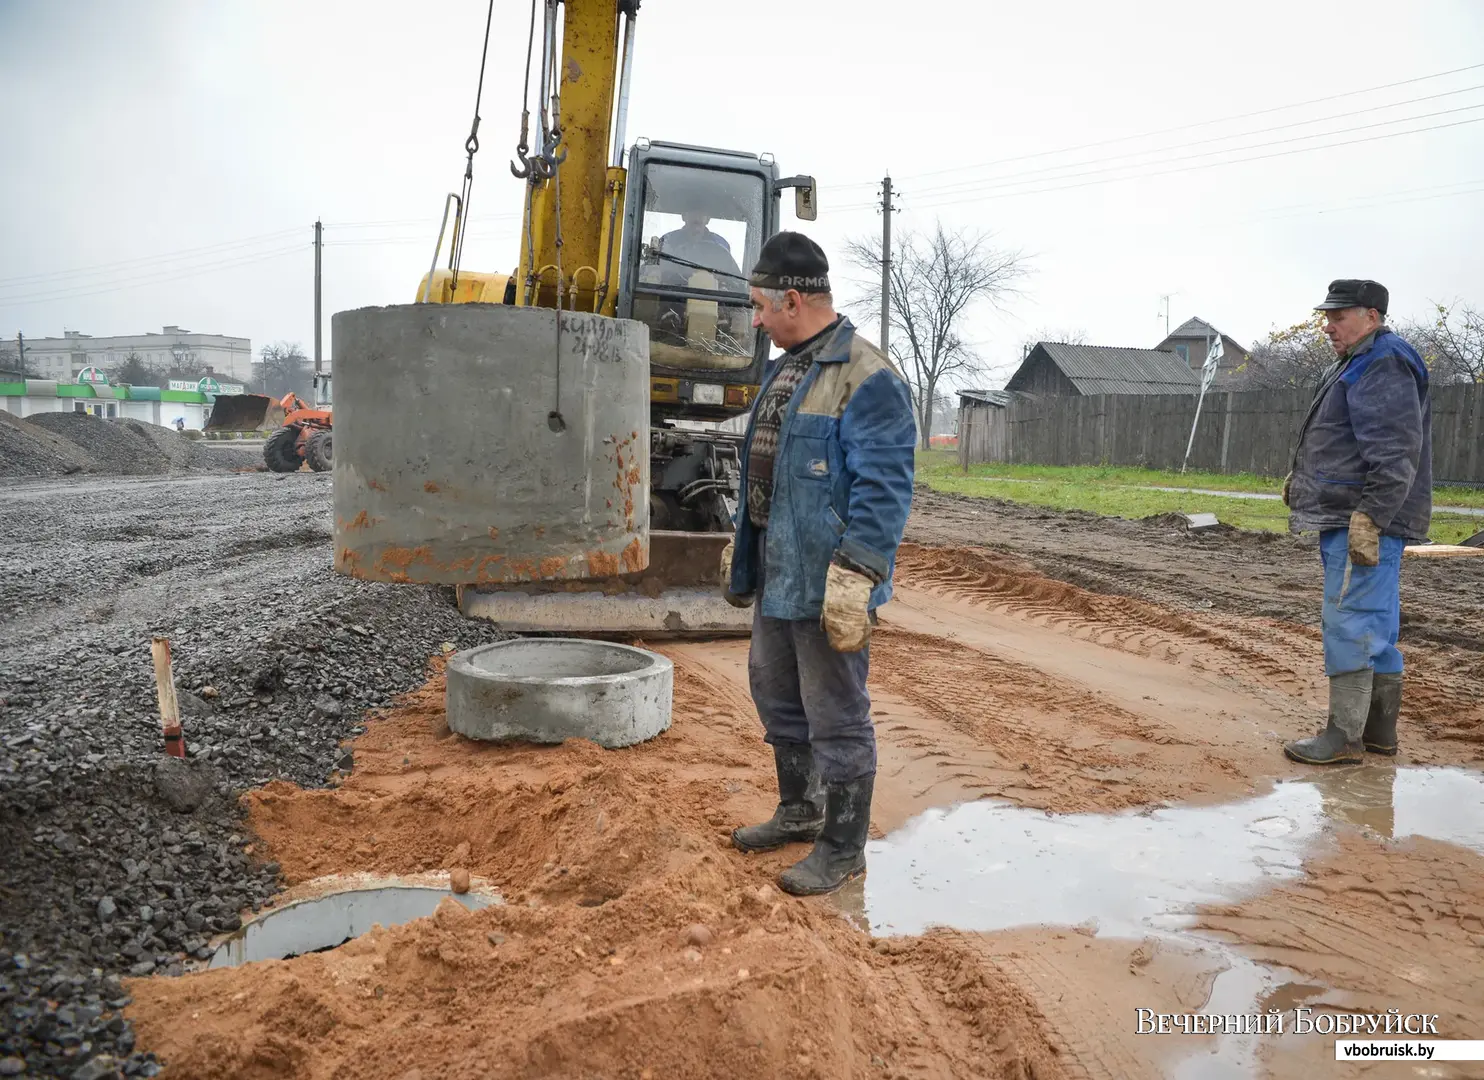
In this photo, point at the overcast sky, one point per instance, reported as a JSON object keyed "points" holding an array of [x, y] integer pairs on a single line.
{"points": [[131, 133]]}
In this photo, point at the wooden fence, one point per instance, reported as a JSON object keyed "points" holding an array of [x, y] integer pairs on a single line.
{"points": [[1252, 431]]}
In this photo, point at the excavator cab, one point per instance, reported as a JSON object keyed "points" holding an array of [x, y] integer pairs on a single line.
{"points": [[694, 221]]}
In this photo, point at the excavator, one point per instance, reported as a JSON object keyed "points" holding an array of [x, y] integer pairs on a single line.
{"points": [[659, 232]]}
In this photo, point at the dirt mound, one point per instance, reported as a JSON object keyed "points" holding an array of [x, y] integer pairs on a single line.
{"points": [[780, 991], [606, 860], [28, 450], [118, 447], [197, 455], [57, 444]]}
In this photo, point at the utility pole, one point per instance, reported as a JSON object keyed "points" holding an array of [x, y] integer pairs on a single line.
{"points": [[20, 344], [1166, 299], [886, 212], [319, 244]]}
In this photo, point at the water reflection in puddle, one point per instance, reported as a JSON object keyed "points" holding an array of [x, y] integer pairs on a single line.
{"points": [[985, 866]]}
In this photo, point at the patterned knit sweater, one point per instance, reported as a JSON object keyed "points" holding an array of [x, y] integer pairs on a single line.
{"points": [[768, 420]]}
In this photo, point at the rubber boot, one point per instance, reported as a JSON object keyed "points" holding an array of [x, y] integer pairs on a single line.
{"points": [[1340, 741], [800, 812], [1380, 724], [839, 854]]}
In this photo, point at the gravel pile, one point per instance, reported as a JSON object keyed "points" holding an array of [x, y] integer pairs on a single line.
{"points": [[184, 454], [115, 445], [30, 451], [113, 859], [60, 444]]}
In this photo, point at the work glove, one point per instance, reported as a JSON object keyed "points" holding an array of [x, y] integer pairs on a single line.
{"points": [[1365, 540], [1287, 487], [846, 615], [737, 601]]}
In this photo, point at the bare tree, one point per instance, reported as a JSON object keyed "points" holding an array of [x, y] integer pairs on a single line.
{"points": [[282, 368], [1451, 344], [1294, 358], [1066, 337], [936, 278]]}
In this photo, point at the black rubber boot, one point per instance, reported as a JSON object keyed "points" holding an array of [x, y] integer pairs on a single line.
{"points": [[839, 854], [1340, 741], [800, 812], [1380, 724]]}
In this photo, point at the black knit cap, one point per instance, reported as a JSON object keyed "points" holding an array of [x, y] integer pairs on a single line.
{"points": [[790, 260], [1355, 292]]}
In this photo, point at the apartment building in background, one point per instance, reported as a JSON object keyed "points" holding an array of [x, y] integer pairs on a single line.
{"points": [[173, 348]]}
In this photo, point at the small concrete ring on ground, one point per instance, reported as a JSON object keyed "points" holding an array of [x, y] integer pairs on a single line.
{"points": [[546, 690]]}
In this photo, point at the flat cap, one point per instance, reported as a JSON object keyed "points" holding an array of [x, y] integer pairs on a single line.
{"points": [[790, 260], [1355, 292]]}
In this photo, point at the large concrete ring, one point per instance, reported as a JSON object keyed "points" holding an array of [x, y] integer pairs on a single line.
{"points": [[544, 690]]}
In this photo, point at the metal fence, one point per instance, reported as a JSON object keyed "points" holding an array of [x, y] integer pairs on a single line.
{"points": [[1252, 431]]}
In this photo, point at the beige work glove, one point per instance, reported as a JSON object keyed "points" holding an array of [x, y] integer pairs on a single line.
{"points": [[726, 580], [1365, 540], [1287, 487], [846, 617]]}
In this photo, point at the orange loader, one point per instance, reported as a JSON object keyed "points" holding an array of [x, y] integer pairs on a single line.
{"points": [[302, 433]]}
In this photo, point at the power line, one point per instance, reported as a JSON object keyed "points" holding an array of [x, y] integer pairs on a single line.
{"points": [[1104, 161], [992, 194], [407, 222], [1196, 124], [95, 268], [159, 277]]}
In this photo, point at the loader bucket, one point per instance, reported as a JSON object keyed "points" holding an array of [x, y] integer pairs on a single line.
{"points": [[679, 595], [245, 412]]}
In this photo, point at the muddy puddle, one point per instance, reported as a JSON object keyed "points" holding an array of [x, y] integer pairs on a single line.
{"points": [[985, 867]]}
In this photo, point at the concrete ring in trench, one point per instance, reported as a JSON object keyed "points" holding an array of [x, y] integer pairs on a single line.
{"points": [[328, 912], [545, 690]]}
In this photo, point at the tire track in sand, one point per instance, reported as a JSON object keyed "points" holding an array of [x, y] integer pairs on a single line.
{"points": [[1266, 670]]}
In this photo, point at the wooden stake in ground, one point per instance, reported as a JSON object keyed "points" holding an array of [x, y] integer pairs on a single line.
{"points": [[169, 705]]}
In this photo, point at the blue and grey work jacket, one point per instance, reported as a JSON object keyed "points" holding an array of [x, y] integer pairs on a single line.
{"points": [[1366, 443], [842, 479]]}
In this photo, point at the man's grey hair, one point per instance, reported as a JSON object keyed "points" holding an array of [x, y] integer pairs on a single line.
{"points": [[775, 297]]}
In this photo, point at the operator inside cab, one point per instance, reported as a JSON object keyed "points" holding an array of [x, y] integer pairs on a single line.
{"points": [[695, 244]]}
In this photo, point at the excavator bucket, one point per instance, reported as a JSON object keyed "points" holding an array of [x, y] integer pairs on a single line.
{"points": [[245, 412], [679, 595]]}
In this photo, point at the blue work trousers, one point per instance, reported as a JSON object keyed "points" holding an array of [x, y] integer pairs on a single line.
{"points": [[1362, 606], [806, 692]]}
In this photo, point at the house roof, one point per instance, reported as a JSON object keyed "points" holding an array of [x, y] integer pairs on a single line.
{"points": [[988, 397], [1195, 328], [1199, 328], [1102, 369]]}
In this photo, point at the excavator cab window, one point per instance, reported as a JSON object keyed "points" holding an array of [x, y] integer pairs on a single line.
{"points": [[701, 228]]}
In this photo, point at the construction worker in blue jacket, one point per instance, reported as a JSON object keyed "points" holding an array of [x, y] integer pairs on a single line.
{"points": [[1362, 478], [827, 476]]}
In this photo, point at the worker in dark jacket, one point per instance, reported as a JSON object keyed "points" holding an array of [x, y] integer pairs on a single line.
{"points": [[1362, 477], [827, 475]]}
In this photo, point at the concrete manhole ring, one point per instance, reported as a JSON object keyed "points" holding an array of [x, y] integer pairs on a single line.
{"points": [[336, 913], [545, 690]]}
